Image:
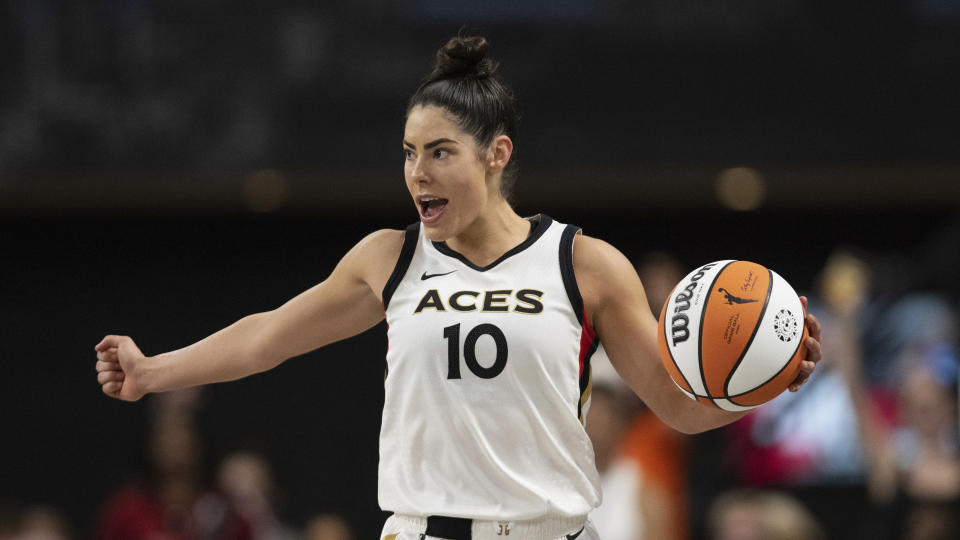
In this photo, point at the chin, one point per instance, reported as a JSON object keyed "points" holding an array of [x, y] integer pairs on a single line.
{"points": [[436, 233]]}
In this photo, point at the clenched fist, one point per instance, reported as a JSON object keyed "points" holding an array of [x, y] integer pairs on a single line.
{"points": [[118, 359]]}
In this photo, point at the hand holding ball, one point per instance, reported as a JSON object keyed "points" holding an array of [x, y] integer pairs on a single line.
{"points": [[731, 335]]}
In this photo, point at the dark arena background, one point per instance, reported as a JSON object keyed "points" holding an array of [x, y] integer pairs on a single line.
{"points": [[169, 167]]}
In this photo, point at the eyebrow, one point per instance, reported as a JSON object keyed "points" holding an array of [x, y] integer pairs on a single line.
{"points": [[431, 144]]}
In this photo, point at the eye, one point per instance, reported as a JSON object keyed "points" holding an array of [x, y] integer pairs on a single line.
{"points": [[441, 153], [407, 154]]}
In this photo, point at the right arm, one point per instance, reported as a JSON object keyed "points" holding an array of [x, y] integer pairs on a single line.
{"points": [[845, 280], [345, 304]]}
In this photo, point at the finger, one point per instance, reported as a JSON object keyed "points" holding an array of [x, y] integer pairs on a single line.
{"points": [[112, 389], [799, 381], [803, 302], [806, 369], [110, 376], [813, 325], [814, 349], [108, 366], [108, 342], [109, 355]]}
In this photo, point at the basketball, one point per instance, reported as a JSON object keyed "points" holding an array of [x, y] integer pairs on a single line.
{"points": [[731, 335]]}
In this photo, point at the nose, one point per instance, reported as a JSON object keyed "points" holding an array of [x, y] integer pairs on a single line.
{"points": [[417, 172]]}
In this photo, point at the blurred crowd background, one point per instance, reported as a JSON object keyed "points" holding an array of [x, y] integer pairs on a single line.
{"points": [[169, 167]]}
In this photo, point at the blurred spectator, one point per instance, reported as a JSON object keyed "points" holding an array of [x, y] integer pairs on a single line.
{"points": [[912, 321], [246, 482], [611, 411], [618, 517], [644, 478], [170, 504], [43, 523], [914, 462], [760, 515], [37, 522], [328, 527]]}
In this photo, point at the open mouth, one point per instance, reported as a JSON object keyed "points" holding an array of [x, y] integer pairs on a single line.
{"points": [[431, 207]]}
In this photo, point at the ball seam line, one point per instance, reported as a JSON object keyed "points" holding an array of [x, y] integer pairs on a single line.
{"points": [[746, 347], [703, 313]]}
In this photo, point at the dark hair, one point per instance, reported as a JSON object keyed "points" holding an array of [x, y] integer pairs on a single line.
{"points": [[464, 82]]}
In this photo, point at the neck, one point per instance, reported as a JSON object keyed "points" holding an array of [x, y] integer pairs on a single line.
{"points": [[491, 235]]}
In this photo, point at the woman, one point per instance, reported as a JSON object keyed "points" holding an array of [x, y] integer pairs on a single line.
{"points": [[492, 319]]}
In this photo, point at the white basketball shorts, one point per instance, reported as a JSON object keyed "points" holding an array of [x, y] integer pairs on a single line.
{"points": [[402, 527]]}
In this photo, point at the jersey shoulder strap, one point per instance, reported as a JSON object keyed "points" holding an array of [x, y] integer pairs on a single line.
{"points": [[403, 263]]}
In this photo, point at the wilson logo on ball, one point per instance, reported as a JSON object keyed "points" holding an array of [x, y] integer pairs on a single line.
{"points": [[679, 321]]}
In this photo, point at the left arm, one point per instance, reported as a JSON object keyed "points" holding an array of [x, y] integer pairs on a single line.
{"points": [[617, 306]]}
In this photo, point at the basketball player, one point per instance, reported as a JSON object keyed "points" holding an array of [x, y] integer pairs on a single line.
{"points": [[492, 318]]}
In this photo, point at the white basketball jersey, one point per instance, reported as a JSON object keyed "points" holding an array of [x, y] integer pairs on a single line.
{"points": [[488, 382]]}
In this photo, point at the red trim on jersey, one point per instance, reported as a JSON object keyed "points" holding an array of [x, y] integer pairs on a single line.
{"points": [[587, 337]]}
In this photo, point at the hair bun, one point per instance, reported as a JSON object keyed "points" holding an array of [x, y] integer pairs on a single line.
{"points": [[464, 56]]}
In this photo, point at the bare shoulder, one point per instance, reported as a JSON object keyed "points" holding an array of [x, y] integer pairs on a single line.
{"points": [[595, 259], [596, 255], [382, 243], [603, 273], [375, 256]]}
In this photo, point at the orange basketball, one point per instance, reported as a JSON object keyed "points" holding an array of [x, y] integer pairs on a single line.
{"points": [[731, 335]]}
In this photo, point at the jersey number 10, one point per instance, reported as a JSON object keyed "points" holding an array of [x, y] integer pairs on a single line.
{"points": [[452, 335]]}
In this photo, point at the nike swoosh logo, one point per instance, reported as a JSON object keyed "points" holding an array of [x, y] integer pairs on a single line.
{"points": [[428, 276]]}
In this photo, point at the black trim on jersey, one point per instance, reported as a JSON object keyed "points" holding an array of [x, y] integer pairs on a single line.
{"points": [[538, 226], [566, 270], [585, 376], [406, 255]]}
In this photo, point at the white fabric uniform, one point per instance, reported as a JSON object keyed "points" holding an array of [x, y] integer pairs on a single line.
{"points": [[487, 384]]}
